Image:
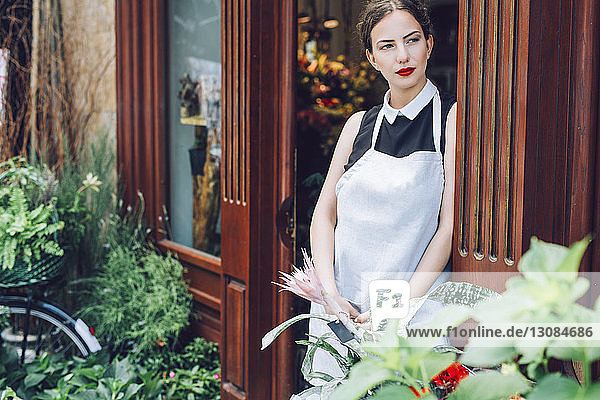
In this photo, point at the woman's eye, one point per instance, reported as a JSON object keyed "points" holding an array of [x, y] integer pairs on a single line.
{"points": [[385, 47], [412, 40]]}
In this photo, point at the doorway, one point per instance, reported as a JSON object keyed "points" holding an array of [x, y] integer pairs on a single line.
{"points": [[333, 81]]}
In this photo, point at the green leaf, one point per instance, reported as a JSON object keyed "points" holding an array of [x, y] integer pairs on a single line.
{"points": [[433, 363], [33, 379], [364, 375], [573, 257], [91, 373], [490, 385], [86, 394], [554, 386], [393, 392], [562, 351], [485, 356], [593, 392], [542, 257], [446, 348], [270, 336], [545, 257], [131, 391]]}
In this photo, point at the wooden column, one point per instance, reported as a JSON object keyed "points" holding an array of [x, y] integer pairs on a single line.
{"points": [[141, 103], [526, 130]]}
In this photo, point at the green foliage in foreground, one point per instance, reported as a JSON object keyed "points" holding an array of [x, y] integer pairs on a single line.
{"points": [[53, 377], [546, 292], [198, 352]]}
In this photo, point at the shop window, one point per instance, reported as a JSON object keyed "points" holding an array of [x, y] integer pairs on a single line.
{"points": [[194, 82]]}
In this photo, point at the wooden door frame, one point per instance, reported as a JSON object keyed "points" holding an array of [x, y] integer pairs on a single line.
{"points": [[258, 72]]}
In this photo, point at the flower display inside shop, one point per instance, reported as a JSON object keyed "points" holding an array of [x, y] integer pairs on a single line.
{"points": [[332, 86], [328, 92]]}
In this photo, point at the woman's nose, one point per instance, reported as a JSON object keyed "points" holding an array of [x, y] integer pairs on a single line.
{"points": [[402, 55]]}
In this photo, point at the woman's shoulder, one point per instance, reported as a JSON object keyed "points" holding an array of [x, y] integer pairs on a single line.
{"points": [[367, 118], [351, 129]]}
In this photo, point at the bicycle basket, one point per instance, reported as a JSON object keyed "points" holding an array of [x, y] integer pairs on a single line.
{"points": [[41, 271]]}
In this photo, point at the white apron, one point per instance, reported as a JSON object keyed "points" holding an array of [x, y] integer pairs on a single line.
{"points": [[387, 213]]}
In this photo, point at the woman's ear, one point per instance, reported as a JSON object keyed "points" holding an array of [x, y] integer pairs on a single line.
{"points": [[429, 46], [371, 59]]}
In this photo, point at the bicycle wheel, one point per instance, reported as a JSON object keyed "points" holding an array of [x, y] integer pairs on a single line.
{"points": [[35, 326]]}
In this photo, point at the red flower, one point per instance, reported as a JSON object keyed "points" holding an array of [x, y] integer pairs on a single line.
{"points": [[450, 377]]}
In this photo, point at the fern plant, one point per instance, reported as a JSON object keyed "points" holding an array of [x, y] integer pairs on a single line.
{"points": [[27, 230]]}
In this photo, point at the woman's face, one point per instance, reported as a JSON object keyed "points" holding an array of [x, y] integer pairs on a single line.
{"points": [[400, 50]]}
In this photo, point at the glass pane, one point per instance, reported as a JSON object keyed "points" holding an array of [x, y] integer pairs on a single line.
{"points": [[195, 123]]}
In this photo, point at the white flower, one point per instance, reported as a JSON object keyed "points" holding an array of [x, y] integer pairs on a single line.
{"points": [[90, 181]]}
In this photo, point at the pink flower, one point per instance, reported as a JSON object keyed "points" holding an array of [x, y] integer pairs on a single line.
{"points": [[304, 282], [217, 376], [171, 374]]}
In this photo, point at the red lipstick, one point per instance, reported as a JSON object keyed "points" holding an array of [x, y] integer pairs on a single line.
{"points": [[405, 71]]}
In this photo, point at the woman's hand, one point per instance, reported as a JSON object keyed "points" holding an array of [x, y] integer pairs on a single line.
{"points": [[364, 317], [345, 306]]}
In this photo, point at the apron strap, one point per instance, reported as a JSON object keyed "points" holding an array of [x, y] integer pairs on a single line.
{"points": [[437, 121], [376, 128]]}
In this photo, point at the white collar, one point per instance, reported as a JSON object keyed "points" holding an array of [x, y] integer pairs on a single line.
{"points": [[413, 108]]}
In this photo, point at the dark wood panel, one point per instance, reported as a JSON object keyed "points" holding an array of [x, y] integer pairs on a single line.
{"points": [[205, 285], [192, 256], [230, 392], [206, 322], [235, 334], [584, 128]]}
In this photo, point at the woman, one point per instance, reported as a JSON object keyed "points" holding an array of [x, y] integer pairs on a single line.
{"points": [[386, 207]]}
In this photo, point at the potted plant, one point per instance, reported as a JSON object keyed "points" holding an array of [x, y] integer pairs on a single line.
{"points": [[32, 220], [29, 250]]}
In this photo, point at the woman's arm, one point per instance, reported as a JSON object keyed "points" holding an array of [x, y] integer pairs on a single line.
{"points": [[325, 215], [439, 249]]}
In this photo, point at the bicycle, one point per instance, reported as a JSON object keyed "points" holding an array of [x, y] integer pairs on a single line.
{"points": [[36, 324]]}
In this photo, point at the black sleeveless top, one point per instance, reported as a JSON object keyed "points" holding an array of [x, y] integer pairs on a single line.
{"points": [[404, 136]]}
